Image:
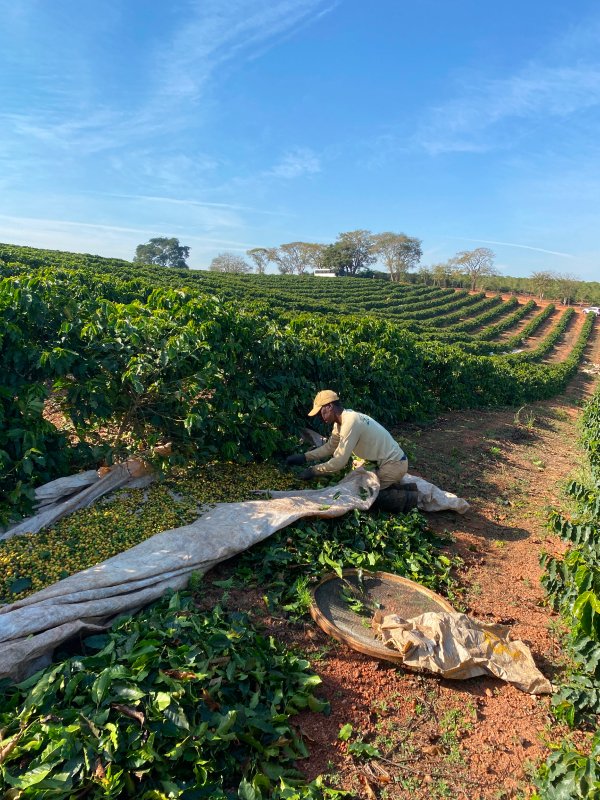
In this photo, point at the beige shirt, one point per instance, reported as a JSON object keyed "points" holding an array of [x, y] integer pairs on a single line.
{"points": [[358, 434]]}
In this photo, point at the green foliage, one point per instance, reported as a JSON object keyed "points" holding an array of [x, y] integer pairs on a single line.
{"points": [[474, 264], [573, 585], [164, 251], [288, 559], [222, 365], [229, 262], [570, 775], [361, 749], [35, 315], [591, 434], [172, 704], [338, 258], [549, 341], [345, 732], [398, 252], [585, 292], [494, 330], [531, 327], [31, 562]]}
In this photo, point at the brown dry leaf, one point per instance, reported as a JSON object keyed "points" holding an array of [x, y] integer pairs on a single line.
{"points": [[406, 647], [306, 735], [130, 712], [377, 619], [432, 750], [8, 748], [180, 674], [377, 773], [368, 788], [99, 771], [211, 703], [283, 740]]}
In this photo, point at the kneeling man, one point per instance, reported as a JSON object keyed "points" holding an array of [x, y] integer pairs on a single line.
{"points": [[353, 433]]}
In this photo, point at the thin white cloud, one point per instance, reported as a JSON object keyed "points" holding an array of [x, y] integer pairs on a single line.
{"points": [[430, 252], [111, 240], [513, 244], [89, 132], [295, 163], [213, 35], [216, 34], [172, 169], [580, 40], [298, 28], [64, 224], [199, 203], [473, 121]]}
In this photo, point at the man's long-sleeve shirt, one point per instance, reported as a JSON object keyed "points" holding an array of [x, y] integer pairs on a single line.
{"points": [[358, 434]]}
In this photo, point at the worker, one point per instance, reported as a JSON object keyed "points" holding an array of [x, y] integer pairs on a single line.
{"points": [[354, 432]]}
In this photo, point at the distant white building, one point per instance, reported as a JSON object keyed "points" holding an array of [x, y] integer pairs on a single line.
{"points": [[324, 273]]}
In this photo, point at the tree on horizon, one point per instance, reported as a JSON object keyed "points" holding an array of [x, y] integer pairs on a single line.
{"points": [[164, 251]]}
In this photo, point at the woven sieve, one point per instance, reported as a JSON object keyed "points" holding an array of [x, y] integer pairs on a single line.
{"points": [[393, 594]]}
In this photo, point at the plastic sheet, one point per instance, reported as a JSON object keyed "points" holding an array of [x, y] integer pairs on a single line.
{"points": [[458, 647], [430, 496], [61, 497], [30, 629]]}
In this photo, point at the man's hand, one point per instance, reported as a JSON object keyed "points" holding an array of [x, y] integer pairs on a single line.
{"points": [[296, 460], [307, 474]]}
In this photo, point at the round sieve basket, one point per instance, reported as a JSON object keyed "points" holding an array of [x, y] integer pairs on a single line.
{"points": [[390, 593]]}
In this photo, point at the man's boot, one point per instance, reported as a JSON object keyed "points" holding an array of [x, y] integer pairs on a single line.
{"points": [[398, 498]]}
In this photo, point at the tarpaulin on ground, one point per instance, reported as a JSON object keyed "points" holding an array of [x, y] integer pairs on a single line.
{"points": [[430, 496], [30, 629], [459, 647], [61, 497]]}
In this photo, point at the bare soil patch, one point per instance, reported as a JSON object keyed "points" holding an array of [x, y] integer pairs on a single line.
{"points": [[524, 298], [516, 329], [567, 341], [540, 334]]}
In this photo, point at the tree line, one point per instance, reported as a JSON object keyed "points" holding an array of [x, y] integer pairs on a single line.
{"points": [[355, 254], [352, 254], [548, 285]]}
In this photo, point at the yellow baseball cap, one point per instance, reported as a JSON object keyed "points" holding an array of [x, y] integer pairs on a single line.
{"points": [[323, 397]]}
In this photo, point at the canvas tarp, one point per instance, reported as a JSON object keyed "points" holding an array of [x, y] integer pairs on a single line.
{"points": [[430, 496], [30, 629], [458, 647], [61, 497]]}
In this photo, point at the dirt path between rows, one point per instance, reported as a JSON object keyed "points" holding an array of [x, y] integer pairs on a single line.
{"points": [[479, 738], [567, 340], [505, 313], [538, 336], [516, 329]]}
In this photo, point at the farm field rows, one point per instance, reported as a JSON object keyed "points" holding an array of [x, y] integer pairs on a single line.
{"points": [[102, 359]]}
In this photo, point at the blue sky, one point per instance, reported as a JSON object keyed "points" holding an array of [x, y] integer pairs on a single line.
{"points": [[252, 123]]}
